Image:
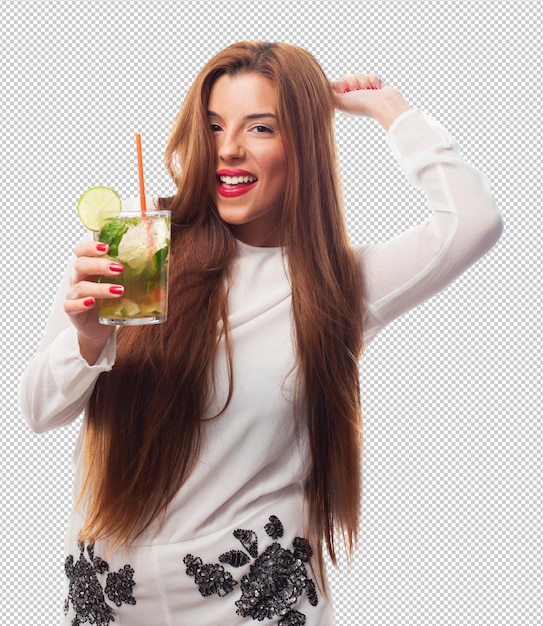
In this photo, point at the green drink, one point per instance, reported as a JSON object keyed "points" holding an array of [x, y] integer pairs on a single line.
{"points": [[142, 245]]}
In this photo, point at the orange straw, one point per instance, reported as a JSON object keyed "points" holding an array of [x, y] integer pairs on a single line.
{"points": [[140, 173]]}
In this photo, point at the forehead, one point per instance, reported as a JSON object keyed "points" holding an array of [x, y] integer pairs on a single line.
{"points": [[245, 93]]}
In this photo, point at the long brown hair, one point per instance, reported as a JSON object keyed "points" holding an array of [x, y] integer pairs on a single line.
{"points": [[143, 424]]}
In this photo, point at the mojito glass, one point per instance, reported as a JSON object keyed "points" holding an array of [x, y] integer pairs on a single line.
{"points": [[142, 245]]}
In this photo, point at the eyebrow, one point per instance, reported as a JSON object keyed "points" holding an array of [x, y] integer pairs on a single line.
{"points": [[251, 116]]}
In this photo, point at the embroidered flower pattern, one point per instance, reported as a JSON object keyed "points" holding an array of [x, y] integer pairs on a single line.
{"points": [[276, 580], [209, 578], [86, 593]]}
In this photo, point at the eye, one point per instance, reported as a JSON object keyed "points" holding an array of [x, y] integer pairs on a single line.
{"points": [[262, 129], [215, 128]]}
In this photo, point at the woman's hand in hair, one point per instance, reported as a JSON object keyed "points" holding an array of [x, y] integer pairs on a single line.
{"points": [[80, 303], [366, 95]]}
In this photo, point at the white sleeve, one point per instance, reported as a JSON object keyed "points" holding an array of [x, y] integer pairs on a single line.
{"points": [[464, 224], [58, 381]]}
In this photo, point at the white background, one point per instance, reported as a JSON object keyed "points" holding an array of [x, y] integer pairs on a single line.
{"points": [[452, 515]]}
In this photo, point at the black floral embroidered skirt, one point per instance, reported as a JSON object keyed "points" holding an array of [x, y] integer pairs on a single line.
{"points": [[246, 574]]}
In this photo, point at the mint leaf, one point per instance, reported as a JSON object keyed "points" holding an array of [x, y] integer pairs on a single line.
{"points": [[160, 256], [112, 232]]}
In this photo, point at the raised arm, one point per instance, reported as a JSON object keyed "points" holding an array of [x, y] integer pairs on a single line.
{"points": [[464, 222]]}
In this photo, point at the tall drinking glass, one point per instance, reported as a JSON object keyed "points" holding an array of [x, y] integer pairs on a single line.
{"points": [[142, 245]]}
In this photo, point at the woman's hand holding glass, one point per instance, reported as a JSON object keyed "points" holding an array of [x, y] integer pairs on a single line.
{"points": [[80, 303]]}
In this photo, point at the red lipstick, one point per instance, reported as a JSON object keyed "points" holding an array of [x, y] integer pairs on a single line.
{"points": [[230, 183], [234, 172]]}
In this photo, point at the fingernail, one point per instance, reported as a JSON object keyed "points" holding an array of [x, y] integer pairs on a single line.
{"points": [[101, 247], [118, 290], [88, 302], [116, 267], [346, 90]]}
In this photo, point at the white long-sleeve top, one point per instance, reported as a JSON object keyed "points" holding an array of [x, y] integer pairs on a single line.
{"points": [[226, 553]]}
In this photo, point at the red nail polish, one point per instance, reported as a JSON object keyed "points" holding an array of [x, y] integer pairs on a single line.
{"points": [[101, 247], [88, 302], [118, 290], [346, 90], [116, 267]]}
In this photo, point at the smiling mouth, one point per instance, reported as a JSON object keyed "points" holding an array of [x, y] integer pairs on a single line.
{"points": [[236, 180], [235, 185]]}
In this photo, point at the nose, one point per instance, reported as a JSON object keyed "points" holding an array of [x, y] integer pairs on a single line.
{"points": [[231, 147]]}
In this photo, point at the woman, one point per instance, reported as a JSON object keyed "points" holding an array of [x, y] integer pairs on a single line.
{"points": [[219, 455]]}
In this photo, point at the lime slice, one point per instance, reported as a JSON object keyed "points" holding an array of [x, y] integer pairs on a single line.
{"points": [[127, 308], [97, 205]]}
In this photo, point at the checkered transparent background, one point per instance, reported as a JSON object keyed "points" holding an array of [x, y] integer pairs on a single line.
{"points": [[452, 519]]}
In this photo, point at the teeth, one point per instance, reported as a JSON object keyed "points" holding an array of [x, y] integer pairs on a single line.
{"points": [[237, 180]]}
